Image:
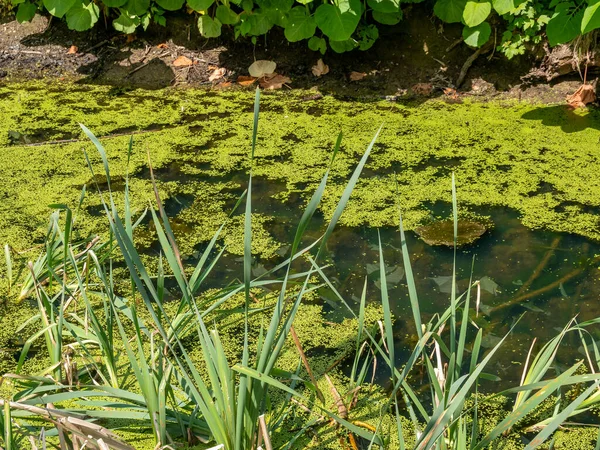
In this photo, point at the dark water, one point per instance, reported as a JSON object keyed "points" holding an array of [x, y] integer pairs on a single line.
{"points": [[543, 278]]}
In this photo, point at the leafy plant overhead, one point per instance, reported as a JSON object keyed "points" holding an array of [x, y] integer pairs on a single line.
{"points": [[339, 25]]}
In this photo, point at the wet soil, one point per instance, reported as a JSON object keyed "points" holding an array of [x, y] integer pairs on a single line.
{"points": [[420, 57]]}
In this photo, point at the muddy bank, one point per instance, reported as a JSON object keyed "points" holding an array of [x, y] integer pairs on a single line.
{"points": [[421, 52]]}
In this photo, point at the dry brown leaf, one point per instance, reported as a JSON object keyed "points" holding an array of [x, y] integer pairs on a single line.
{"points": [[357, 76], [275, 82], [182, 61], [320, 68], [217, 73], [224, 85], [262, 68], [72, 50], [584, 95], [244, 80], [130, 38], [212, 67], [450, 92], [163, 45], [422, 88]]}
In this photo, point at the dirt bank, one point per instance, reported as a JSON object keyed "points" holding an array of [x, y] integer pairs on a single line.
{"points": [[423, 53]]}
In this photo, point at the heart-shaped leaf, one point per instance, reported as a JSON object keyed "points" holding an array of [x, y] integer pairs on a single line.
{"points": [[339, 21], [300, 25], [25, 12], [137, 7], [476, 12], [170, 5], [82, 17], [503, 6], [226, 16], [58, 8], [591, 17], [200, 5], [387, 18], [384, 6], [477, 36], [450, 11], [209, 28], [126, 23]]}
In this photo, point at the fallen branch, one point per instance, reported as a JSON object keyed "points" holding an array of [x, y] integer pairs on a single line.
{"points": [[541, 266], [468, 63]]}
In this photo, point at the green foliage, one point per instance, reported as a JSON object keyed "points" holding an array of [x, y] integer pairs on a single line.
{"points": [[525, 27]]}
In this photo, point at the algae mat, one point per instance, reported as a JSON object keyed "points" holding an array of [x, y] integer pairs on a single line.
{"points": [[539, 160]]}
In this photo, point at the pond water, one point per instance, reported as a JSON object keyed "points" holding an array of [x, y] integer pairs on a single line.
{"points": [[522, 166], [534, 280]]}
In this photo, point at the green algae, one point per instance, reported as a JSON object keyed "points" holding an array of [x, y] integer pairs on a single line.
{"points": [[505, 154]]}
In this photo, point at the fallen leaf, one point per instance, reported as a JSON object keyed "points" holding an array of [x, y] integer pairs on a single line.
{"points": [[357, 76], [244, 80], [72, 50], [130, 38], [224, 85], [212, 67], [275, 82], [320, 68], [451, 93], [218, 73], [262, 67], [182, 61], [582, 96], [163, 45], [422, 88]]}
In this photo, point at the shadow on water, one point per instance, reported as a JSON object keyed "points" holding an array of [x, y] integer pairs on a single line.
{"points": [[568, 119]]}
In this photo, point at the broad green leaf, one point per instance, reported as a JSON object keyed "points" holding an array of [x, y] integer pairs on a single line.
{"points": [[170, 5], [591, 17], [114, 3], [477, 36], [476, 12], [82, 17], [387, 18], [384, 6], [137, 7], [503, 6], [565, 25], [450, 10], [259, 24], [300, 25], [343, 46], [208, 27], [126, 23], [200, 5], [226, 16], [317, 44], [58, 8], [339, 22], [25, 12]]}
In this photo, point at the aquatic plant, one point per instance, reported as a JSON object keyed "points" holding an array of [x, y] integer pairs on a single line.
{"points": [[137, 365]]}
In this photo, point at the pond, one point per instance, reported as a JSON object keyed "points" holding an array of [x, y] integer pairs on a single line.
{"points": [[528, 170]]}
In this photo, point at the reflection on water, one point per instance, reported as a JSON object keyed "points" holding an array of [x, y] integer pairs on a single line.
{"points": [[548, 276]]}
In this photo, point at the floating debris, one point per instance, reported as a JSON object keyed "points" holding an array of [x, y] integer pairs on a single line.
{"points": [[442, 232]]}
